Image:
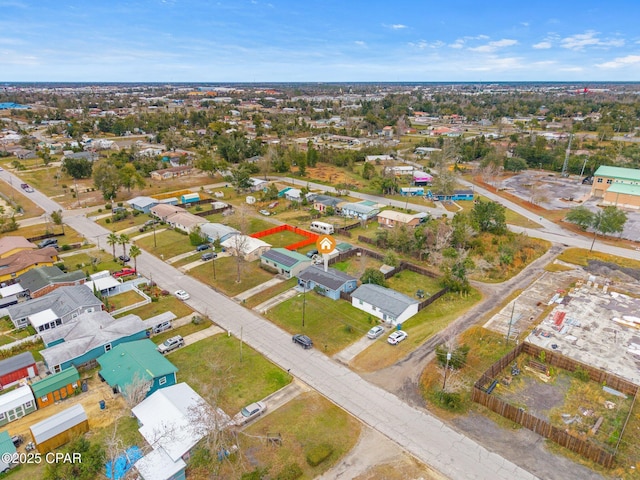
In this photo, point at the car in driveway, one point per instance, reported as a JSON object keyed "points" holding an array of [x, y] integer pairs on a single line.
{"points": [[266, 213], [182, 295], [249, 412], [203, 247], [397, 336], [171, 344], [375, 332], [48, 242], [125, 272], [208, 256], [302, 340], [312, 253]]}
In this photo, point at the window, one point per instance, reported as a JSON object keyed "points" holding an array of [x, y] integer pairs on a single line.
{"points": [[44, 399], [599, 180], [609, 181], [162, 381], [1, 416], [58, 321], [107, 347], [74, 315], [360, 302], [57, 369], [90, 310], [28, 404]]}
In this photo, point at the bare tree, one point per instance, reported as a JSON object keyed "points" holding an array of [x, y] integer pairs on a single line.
{"points": [[136, 391]]}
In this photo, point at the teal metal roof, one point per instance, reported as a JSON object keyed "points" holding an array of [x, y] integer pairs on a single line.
{"points": [[6, 445], [120, 365], [285, 258], [624, 188], [55, 382], [621, 173]]}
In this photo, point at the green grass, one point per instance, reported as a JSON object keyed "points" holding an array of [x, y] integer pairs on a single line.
{"points": [[283, 238], [251, 275], [83, 260], [270, 292], [70, 235], [409, 283], [420, 328], [580, 256], [227, 374], [357, 265], [304, 422], [331, 324], [128, 222], [29, 208], [184, 330], [169, 243], [123, 299], [164, 304]]}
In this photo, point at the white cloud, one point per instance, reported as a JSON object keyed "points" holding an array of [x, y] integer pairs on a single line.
{"points": [[398, 26], [360, 43], [422, 44], [621, 62], [493, 64], [589, 39], [493, 46], [524, 24], [460, 42], [541, 45]]}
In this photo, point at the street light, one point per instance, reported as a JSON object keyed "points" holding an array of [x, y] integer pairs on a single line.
{"points": [[446, 369], [213, 261]]}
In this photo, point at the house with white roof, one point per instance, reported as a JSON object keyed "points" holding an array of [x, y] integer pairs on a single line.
{"points": [[215, 231], [143, 204], [386, 304], [247, 247]]}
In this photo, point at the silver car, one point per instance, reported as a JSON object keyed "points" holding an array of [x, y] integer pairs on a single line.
{"points": [[171, 344], [249, 412]]}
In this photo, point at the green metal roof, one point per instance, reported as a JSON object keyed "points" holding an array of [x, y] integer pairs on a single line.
{"points": [[625, 188], [621, 173], [120, 365], [55, 382], [6, 445]]}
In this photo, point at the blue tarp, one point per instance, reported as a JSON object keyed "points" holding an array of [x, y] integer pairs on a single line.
{"points": [[123, 463]]}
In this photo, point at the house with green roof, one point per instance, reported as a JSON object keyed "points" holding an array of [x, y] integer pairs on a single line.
{"points": [[285, 262], [617, 186], [136, 360], [56, 387]]}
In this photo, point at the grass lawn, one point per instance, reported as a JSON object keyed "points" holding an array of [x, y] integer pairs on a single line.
{"points": [[70, 235], [184, 330], [13, 335], [83, 260], [305, 422], [169, 243], [168, 303], [251, 275], [357, 265], [283, 238], [128, 222], [270, 293], [215, 368], [253, 224], [420, 328], [512, 218], [189, 259], [409, 283], [19, 199], [580, 256], [124, 299], [332, 325]]}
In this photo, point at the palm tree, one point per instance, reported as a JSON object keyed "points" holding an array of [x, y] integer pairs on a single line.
{"points": [[123, 240], [134, 252], [113, 240]]}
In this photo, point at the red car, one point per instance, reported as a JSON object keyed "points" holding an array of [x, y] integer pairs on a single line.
{"points": [[125, 272]]}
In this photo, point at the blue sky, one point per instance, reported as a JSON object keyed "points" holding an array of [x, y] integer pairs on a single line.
{"points": [[321, 40]]}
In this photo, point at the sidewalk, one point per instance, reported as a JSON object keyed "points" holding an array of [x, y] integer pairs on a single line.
{"points": [[202, 334], [272, 302], [346, 355], [257, 289]]}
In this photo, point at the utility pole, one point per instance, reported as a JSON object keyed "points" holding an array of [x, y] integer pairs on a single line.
{"points": [[213, 261], [304, 301], [446, 369], [511, 321]]}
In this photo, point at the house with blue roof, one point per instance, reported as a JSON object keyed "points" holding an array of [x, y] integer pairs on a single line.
{"points": [[359, 210], [143, 204]]}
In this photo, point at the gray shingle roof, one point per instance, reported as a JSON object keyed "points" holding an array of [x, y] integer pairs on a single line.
{"points": [[16, 362], [38, 278], [386, 300], [331, 279], [62, 301], [327, 200]]}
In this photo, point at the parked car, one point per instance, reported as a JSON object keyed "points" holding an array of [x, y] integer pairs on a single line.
{"points": [[124, 258], [375, 332], [311, 253], [249, 412], [209, 256], [48, 242], [171, 344], [125, 272], [266, 213], [17, 440], [147, 224], [397, 336], [272, 205], [182, 295], [161, 327], [26, 187], [203, 247], [302, 340]]}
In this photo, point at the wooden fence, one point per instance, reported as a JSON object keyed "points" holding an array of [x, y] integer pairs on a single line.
{"points": [[518, 415]]}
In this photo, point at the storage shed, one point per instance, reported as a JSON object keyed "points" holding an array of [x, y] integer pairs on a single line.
{"points": [[7, 451], [14, 369], [16, 404], [56, 387], [189, 198], [60, 428]]}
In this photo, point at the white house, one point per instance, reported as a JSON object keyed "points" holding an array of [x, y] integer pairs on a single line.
{"points": [[248, 247], [386, 304]]}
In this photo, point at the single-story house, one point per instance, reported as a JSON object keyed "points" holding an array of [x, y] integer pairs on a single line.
{"points": [[393, 218], [163, 210], [329, 283], [358, 210], [60, 428], [258, 184], [426, 151], [55, 308], [7, 451], [173, 172], [14, 265], [421, 178], [185, 221], [136, 361], [293, 194], [388, 305], [378, 158], [168, 201], [248, 247], [173, 420], [286, 262], [42, 280], [215, 231], [412, 191], [457, 195], [15, 368], [56, 387], [13, 244], [16, 404], [322, 202], [103, 283], [142, 204], [87, 337]]}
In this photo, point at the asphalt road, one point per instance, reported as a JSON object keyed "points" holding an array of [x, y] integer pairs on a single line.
{"points": [[419, 433]]}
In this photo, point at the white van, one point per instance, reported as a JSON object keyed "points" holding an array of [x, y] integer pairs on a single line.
{"points": [[161, 327], [322, 227]]}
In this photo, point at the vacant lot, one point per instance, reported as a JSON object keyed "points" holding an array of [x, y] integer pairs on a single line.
{"points": [[226, 275], [283, 238], [169, 243], [167, 303]]}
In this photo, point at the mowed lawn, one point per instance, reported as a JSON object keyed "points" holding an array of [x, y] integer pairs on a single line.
{"points": [[226, 269], [167, 303], [420, 328], [283, 238], [331, 324], [409, 283], [169, 243], [226, 373]]}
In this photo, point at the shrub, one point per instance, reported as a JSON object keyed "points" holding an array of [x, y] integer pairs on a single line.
{"points": [[451, 401], [197, 320], [99, 210], [581, 374], [257, 474], [290, 472], [108, 220], [66, 247], [164, 293], [107, 206], [318, 454], [154, 299]]}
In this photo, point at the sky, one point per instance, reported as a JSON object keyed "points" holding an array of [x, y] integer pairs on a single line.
{"points": [[319, 41]]}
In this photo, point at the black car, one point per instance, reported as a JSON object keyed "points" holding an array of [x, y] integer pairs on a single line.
{"points": [[124, 258], [311, 253], [209, 256], [203, 247], [302, 340], [48, 242]]}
